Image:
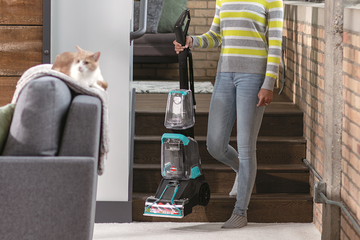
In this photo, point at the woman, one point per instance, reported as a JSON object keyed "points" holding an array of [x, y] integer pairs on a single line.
{"points": [[249, 33]]}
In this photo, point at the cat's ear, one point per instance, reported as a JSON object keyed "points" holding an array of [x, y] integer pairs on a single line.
{"points": [[79, 50], [96, 56]]}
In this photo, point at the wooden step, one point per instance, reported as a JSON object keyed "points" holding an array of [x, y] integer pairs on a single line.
{"points": [[292, 178], [270, 150], [280, 118], [263, 208]]}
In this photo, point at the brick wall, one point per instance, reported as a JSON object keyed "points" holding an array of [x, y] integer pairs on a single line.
{"points": [[304, 71], [205, 61], [304, 68], [350, 190]]}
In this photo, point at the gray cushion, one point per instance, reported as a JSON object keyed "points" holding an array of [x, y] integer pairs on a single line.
{"points": [[160, 44], [85, 111], [38, 118], [153, 15], [171, 12], [6, 113]]}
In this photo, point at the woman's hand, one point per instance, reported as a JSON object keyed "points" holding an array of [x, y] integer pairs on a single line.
{"points": [[265, 97], [188, 44]]}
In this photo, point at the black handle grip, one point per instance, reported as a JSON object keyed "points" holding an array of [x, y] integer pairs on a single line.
{"points": [[179, 30]]}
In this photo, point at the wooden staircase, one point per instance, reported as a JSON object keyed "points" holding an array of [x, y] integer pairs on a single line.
{"points": [[281, 191]]}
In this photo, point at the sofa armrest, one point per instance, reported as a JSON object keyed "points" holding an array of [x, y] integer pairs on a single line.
{"points": [[81, 136], [47, 197]]}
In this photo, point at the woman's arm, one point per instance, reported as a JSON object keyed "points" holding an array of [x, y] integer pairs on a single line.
{"points": [[212, 38], [275, 25], [209, 39]]}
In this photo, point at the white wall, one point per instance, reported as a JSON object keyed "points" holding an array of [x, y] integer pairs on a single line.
{"points": [[102, 26]]}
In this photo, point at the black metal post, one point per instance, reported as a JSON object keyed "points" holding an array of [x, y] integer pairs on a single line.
{"points": [[46, 57]]}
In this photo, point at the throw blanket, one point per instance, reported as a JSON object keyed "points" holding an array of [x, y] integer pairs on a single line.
{"points": [[45, 70]]}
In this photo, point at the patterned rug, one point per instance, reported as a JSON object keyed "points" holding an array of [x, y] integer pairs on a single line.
{"points": [[167, 86]]}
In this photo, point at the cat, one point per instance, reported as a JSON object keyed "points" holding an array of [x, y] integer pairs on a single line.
{"points": [[82, 66]]}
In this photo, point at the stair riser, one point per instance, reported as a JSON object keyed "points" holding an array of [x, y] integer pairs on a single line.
{"points": [[221, 181], [147, 124], [148, 152], [261, 211]]}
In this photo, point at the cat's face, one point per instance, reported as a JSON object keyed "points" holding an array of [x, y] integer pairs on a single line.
{"points": [[86, 61]]}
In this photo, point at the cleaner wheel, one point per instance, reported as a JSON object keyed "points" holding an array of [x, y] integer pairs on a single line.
{"points": [[204, 194]]}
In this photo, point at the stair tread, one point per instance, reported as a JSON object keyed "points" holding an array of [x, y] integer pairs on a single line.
{"points": [[156, 103], [270, 150], [256, 196], [260, 167], [283, 139], [268, 208]]}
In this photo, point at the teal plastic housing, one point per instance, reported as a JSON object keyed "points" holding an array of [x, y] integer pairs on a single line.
{"points": [[181, 137], [180, 157]]}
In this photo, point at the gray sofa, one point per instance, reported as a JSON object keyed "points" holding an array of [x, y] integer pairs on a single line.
{"points": [[48, 166]]}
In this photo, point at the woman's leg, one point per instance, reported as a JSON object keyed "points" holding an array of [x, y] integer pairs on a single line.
{"points": [[235, 95], [249, 118], [222, 116]]}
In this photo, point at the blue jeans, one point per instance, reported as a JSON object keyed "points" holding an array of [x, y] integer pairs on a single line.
{"points": [[235, 97]]}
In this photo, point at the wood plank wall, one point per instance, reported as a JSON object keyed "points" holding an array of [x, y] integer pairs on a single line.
{"points": [[20, 42]]}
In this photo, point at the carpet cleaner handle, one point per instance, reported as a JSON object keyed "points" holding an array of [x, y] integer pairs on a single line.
{"points": [[180, 35], [179, 30]]}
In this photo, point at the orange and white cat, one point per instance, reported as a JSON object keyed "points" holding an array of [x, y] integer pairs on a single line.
{"points": [[82, 66]]}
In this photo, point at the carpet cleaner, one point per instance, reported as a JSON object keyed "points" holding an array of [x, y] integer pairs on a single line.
{"points": [[183, 185]]}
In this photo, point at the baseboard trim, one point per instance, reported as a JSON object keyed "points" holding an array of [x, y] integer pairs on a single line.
{"points": [[113, 212]]}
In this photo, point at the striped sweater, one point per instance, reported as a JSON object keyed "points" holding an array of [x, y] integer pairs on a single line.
{"points": [[250, 35]]}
